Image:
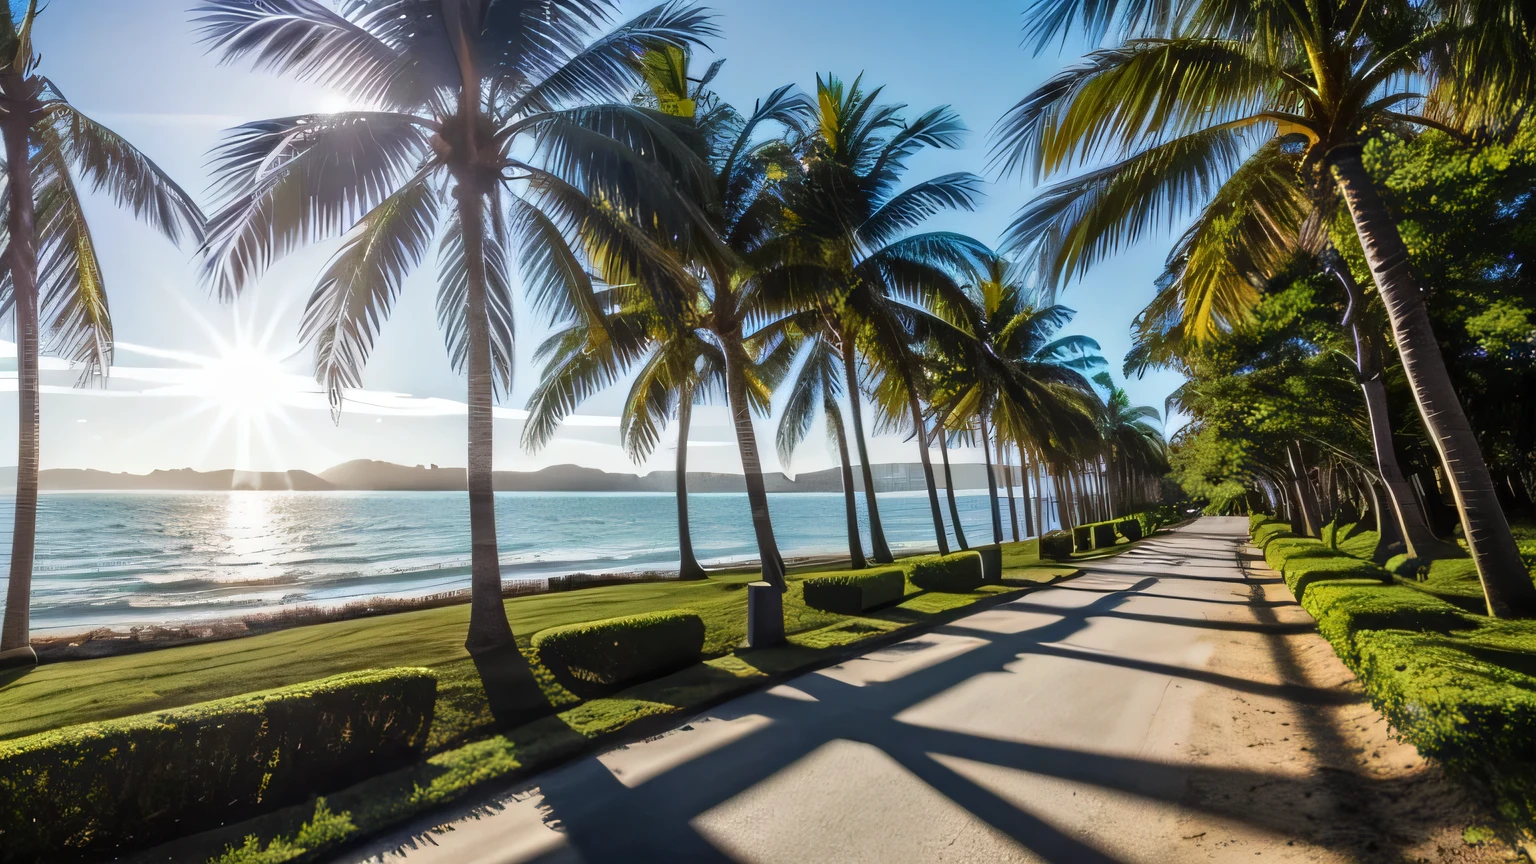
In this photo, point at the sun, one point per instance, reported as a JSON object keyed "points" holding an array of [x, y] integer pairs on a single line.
{"points": [[245, 381]]}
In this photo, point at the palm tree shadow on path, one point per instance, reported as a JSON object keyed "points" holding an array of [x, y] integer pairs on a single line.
{"points": [[604, 819]]}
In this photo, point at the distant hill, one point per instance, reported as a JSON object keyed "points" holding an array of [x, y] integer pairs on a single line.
{"points": [[370, 475], [183, 479]]}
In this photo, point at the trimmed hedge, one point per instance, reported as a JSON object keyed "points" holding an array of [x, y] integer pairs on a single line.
{"points": [[852, 593], [602, 656], [1129, 528], [1056, 545], [1103, 535], [102, 789], [955, 574], [1082, 538], [1459, 687]]}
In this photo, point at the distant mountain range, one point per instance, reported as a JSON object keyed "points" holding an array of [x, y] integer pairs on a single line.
{"points": [[369, 475]]}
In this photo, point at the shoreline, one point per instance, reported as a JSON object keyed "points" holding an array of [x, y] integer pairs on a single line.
{"points": [[117, 641]]}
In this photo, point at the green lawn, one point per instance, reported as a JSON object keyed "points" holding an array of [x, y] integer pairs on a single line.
{"points": [[61, 694]]}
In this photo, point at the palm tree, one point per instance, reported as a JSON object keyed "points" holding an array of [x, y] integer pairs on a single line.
{"points": [[53, 282], [1013, 377], [1134, 447], [498, 128], [817, 387], [852, 218], [677, 370], [1208, 93]]}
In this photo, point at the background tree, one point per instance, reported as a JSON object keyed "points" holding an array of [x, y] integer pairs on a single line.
{"points": [[500, 129], [1182, 104], [853, 221], [53, 286]]}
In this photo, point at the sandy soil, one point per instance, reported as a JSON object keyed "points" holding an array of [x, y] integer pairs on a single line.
{"points": [[1338, 781]]}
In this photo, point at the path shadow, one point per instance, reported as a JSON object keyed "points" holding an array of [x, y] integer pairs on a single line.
{"points": [[604, 819]]}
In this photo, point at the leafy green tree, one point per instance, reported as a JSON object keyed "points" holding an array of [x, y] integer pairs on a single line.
{"points": [[500, 129], [1206, 94], [54, 287]]}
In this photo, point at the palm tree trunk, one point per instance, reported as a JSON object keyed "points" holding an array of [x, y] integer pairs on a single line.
{"points": [[1305, 499], [488, 627], [752, 467], [997, 513], [688, 568], [1002, 458], [850, 499], [1029, 525], [916, 408], [949, 490], [1040, 495], [1063, 506], [1507, 585], [15, 633], [1412, 530], [879, 550]]}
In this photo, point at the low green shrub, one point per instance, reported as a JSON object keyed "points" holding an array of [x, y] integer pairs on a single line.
{"points": [[1257, 519], [955, 574], [1129, 528], [1103, 535], [1056, 545], [1460, 687], [852, 593], [607, 655], [1082, 538], [98, 790]]}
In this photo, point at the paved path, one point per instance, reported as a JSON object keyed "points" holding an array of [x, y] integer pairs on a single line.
{"points": [[1167, 705]]}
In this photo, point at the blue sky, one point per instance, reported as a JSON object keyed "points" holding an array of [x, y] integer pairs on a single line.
{"points": [[207, 385]]}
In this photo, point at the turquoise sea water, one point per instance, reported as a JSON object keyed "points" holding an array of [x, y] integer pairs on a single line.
{"points": [[127, 558]]}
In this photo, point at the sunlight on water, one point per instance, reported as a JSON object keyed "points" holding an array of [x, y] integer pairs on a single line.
{"points": [[127, 558]]}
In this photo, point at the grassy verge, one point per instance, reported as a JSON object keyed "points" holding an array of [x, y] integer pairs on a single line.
{"points": [[303, 832], [1461, 687]]}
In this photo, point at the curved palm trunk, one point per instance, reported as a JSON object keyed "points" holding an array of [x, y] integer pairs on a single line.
{"points": [[488, 627], [22, 257], [879, 550], [997, 512], [1507, 586], [1063, 508], [688, 567], [1029, 524], [752, 468], [949, 490], [1013, 513], [850, 500], [1039, 494], [1412, 531], [1306, 500], [922, 450]]}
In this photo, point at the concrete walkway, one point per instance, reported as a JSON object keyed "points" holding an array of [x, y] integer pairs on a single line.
{"points": [[1168, 705]]}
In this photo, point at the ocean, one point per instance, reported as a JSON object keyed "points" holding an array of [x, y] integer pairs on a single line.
{"points": [[121, 559]]}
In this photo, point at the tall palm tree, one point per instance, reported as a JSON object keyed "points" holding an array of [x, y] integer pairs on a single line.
{"points": [[712, 286], [817, 387], [1205, 93], [677, 370], [853, 217], [1014, 378], [54, 287], [499, 127], [1134, 448]]}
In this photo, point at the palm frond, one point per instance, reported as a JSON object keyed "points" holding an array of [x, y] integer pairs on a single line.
{"points": [[1077, 223], [297, 180], [113, 166], [303, 38], [72, 296], [358, 288], [912, 206]]}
